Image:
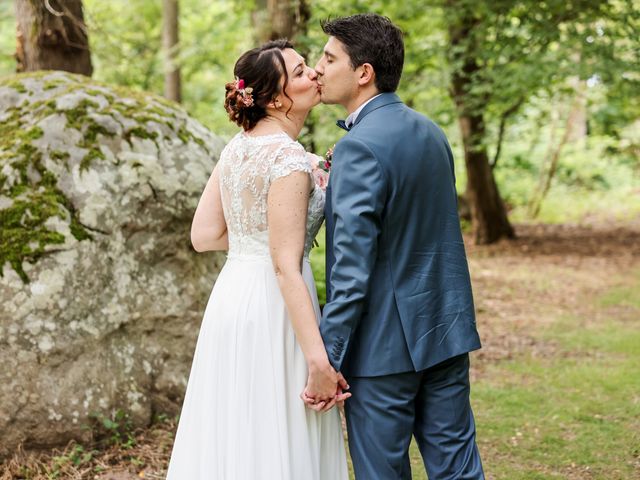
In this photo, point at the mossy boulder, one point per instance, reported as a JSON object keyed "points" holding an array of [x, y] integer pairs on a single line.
{"points": [[101, 295]]}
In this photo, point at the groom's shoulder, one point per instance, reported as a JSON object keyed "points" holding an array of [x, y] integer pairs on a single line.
{"points": [[422, 121], [395, 107], [418, 116], [394, 119]]}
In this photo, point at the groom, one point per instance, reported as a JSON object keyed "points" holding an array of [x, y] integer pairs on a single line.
{"points": [[399, 320]]}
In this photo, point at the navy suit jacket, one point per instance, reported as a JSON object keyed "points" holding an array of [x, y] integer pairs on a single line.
{"points": [[398, 288]]}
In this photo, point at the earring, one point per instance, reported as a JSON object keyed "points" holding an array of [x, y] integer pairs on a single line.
{"points": [[278, 104]]}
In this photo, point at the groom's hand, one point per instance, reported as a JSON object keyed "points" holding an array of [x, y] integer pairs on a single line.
{"points": [[342, 382]]}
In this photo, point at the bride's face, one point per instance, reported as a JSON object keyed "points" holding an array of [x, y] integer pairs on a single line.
{"points": [[302, 87]]}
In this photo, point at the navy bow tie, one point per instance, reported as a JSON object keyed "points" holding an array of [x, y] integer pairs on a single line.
{"points": [[343, 125]]}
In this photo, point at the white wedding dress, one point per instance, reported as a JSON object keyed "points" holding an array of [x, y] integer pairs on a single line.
{"points": [[242, 417]]}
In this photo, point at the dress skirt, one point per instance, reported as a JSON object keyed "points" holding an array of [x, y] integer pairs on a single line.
{"points": [[242, 417]]}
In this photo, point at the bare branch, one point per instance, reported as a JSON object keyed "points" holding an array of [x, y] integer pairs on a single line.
{"points": [[503, 123]]}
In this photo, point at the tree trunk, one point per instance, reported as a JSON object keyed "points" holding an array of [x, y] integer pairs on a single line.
{"points": [[52, 35], [273, 19], [552, 158], [172, 84], [488, 214], [577, 121]]}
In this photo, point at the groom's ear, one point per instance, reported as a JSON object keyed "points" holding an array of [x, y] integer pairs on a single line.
{"points": [[367, 74]]}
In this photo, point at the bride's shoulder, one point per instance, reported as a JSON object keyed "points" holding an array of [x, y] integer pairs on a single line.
{"points": [[275, 146], [291, 145], [291, 150], [233, 143], [288, 157]]}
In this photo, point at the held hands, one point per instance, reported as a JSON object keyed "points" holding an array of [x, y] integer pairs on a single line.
{"points": [[325, 388]]}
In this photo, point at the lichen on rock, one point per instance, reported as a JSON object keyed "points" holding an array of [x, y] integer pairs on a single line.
{"points": [[101, 295], [92, 113]]}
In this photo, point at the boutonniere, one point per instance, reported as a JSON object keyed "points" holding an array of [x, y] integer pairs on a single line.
{"points": [[328, 157], [320, 168]]}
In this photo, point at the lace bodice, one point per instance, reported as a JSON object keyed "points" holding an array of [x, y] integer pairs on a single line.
{"points": [[247, 167]]}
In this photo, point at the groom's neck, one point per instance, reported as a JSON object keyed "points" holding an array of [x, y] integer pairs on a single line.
{"points": [[360, 98]]}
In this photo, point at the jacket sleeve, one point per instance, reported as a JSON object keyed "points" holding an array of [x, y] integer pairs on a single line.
{"points": [[358, 197]]}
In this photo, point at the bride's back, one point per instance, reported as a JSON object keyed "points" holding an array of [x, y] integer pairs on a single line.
{"points": [[247, 167]]}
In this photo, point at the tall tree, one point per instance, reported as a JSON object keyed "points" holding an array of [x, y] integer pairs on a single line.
{"points": [[52, 35], [488, 213], [172, 83], [274, 19], [501, 53]]}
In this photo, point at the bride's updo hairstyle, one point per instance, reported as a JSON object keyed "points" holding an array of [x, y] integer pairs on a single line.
{"points": [[259, 74]]}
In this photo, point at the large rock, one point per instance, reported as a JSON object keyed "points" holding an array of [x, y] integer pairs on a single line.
{"points": [[101, 295]]}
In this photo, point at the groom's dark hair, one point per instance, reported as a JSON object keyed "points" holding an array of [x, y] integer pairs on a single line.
{"points": [[374, 39]]}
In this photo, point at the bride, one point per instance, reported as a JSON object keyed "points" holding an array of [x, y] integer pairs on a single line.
{"points": [[259, 348]]}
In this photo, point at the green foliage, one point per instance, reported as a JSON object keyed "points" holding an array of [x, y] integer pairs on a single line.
{"points": [[114, 430], [7, 37], [593, 177], [77, 457], [317, 258], [212, 36]]}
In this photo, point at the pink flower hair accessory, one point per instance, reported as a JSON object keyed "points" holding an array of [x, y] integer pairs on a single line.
{"points": [[245, 92]]}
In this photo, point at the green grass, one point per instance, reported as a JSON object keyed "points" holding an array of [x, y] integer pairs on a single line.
{"points": [[549, 417], [575, 414], [626, 296]]}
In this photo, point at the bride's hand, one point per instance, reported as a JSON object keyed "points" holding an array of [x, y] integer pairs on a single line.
{"points": [[322, 381], [310, 402]]}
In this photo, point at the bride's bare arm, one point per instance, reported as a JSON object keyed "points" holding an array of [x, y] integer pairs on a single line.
{"points": [[287, 219], [209, 229]]}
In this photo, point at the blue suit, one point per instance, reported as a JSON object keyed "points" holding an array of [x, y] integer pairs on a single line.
{"points": [[399, 320]]}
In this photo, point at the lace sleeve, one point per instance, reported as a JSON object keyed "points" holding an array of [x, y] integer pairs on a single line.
{"points": [[289, 159]]}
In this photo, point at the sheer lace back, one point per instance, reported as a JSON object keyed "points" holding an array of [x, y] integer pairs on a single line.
{"points": [[248, 165]]}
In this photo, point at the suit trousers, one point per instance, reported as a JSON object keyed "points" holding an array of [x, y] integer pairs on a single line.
{"points": [[432, 405]]}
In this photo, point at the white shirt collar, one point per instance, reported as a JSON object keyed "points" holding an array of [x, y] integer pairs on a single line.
{"points": [[351, 119]]}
